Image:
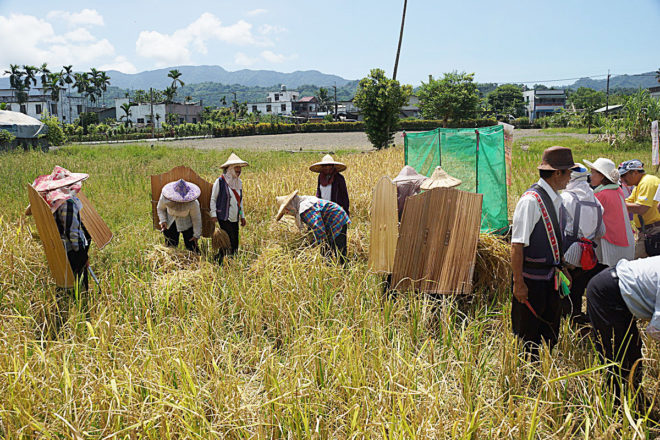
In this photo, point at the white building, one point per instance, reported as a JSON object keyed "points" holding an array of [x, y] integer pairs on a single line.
{"points": [[140, 114], [276, 103], [539, 103], [67, 108]]}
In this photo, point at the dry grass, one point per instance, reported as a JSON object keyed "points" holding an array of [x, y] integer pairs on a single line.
{"points": [[279, 342]]}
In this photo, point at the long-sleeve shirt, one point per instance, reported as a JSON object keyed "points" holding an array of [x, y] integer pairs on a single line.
{"points": [[186, 215], [223, 204], [324, 218], [67, 218], [639, 282], [338, 192]]}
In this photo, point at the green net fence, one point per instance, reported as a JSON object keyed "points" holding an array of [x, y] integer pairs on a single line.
{"points": [[475, 156]]}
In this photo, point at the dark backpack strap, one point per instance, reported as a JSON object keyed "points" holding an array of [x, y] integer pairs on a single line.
{"points": [[553, 217]]}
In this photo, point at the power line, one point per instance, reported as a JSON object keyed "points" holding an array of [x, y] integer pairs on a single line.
{"points": [[604, 75]]}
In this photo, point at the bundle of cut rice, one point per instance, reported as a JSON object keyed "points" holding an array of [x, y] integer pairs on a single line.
{"points": [[492, 272]]}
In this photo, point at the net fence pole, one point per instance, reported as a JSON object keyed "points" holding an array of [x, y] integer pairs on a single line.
{"points": [[476, 186]]}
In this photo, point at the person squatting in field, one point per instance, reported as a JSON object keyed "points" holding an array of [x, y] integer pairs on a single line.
{"points": [[227, 202], [179, 212], [60, 189], [326, 219]]}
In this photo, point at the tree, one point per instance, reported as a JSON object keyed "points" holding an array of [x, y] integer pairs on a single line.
{"points": [[44, 71], [380, 100], [507, 99], [53, 86], [126, 107], [455, 97], [15, 77], [169, 93], [324, 99], [176, 78], [585, 98]]}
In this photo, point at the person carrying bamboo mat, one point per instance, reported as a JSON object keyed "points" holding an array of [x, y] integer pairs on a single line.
{"points": [[227, 202], [60, 189]]}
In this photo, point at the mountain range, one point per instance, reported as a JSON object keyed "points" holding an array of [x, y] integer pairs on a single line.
{"points": [[643, 80]]}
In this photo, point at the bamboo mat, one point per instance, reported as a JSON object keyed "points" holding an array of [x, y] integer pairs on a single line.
{"points": [[436, 250], [384, 226], [58, 262], [101, 234], [158, 181]]}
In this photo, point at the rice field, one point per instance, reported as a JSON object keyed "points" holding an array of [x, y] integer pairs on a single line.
{"points": [[279, 342]]}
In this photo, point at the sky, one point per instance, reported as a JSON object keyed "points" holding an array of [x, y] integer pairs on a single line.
{"points": [[514, 41]]}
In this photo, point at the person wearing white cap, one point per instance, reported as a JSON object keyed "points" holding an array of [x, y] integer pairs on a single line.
{"points": [[583, 224], [618, 243], [226, 203]]}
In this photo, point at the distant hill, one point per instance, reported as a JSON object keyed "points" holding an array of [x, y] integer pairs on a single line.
{"points": [[643, 80], [216, 74]]}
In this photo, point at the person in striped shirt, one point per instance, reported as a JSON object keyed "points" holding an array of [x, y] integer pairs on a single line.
{"points": [[326, 220]]}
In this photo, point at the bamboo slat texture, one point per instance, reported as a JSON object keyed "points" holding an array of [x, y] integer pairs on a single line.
{"points": [[58, 262], [437, 244], [384, 226], [158, 181], [101, 234]]}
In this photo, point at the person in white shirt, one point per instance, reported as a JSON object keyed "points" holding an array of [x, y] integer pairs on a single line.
{"points": [[226, 203], [617, 297], [178, 212], [537, 253]]}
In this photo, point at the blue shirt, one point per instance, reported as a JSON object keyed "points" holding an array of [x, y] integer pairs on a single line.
{"points": [[639, 281]]}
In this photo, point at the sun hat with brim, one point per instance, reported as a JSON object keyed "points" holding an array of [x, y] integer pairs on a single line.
{"points": [[557, 159], [284, 202], [181, 191], [440, 179], [408, 174], [234, 160], [630, 165], [59, 178], [605, 167], [327, 160]]}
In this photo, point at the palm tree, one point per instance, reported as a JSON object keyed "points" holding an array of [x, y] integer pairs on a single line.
{"points": [[126, 107], [169, 93], [30, 76], [188, 99], [43, 70], [398, 50], [104, 82], [54, 85], [67, 77], [81, 83], [15, 77], [176, 78]]}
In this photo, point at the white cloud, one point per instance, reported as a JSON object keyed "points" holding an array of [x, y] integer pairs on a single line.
{"points": [[86, 17], [240, 59], [175, 48], [266, 29], [39, 43], [276, 57], [121, 64], [254, 12]]}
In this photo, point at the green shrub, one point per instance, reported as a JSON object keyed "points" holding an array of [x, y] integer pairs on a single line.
{"points": [[6, 138], [55, 135]]}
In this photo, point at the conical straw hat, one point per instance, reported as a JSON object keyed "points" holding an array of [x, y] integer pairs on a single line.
{"points": [[440, 179], [234, 160], [327, 160], [284, 201]]}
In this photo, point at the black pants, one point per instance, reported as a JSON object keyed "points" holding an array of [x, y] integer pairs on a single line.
{"points": [[172, 238], [611, 319], [338, 244], [78, 261], [546, 302], [580, 279], [231, 228]]}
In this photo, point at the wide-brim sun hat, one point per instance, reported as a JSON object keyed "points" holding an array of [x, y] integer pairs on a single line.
{"points": [[557, 159], [440, 179], [284, 202], [181, 191], [327, 160], [59, 178], [234, 160], [605, 167], [409, 174]]}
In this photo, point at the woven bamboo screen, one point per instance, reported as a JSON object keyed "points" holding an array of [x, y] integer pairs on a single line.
{"points": [[437, 244], [384, 226], [158, 181], [101, 234]]}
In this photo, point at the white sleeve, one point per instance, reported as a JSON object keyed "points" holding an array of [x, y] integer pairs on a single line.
{"points": [[196, 217], [214, 199], [657, 196], [525, 217], [161, 210], [242, 211]]}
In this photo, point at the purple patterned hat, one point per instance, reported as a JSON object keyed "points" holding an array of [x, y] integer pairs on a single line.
{"points": [[181, 191]]}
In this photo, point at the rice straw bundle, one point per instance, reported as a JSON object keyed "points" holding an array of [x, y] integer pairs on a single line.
{"points": [[220, 240], [492, 272]]}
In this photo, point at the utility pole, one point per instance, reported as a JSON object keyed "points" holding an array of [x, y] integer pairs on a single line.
{"points": [[335, 87], [151, 102], [607, 98], [398, 50]]}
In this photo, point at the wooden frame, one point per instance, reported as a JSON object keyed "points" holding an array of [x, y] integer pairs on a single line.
{"points": [[436, 250], [384, 226], [101, 234], [158, 181], [56, 256]]}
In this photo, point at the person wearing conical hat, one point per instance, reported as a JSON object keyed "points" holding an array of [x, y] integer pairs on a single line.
{"points": [[331, 184], [227, 202], [326, 219], [60, 189], [440, 179], [408, 183], [179, 213]]}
